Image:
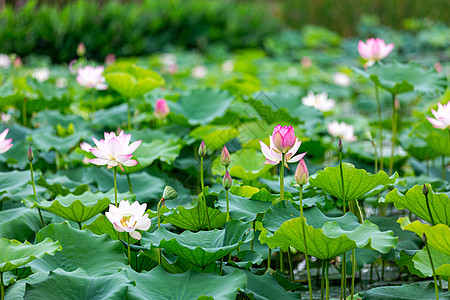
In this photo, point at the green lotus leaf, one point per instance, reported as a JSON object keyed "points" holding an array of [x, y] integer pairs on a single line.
{"points": [[419, 148], [166, 151], [438, 236], [82, 207], [97, 255], [132, 81], [79, 285], [204, 247], [171, 263], [213, 104], [189, 285], [102, 225], [438, 142], [20, 223], [245, 164], [413, 291], [15, 185], [46, 141], [414, 201], [14, 254], [441, 262], [399, 78], [404, 258], [242, 208], [62, 185], [214, 136], [247, 258], [245, 191], [357, 182]]}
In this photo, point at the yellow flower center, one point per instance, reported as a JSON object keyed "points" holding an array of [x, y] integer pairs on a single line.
{"points": [[125, 219]]}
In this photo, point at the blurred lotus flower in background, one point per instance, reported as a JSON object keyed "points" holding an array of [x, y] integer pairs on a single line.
{"points": [[110, 59], [319, 101], [114, 150], [306, 62], [17, 62], [341, 79], [169, 62], [91, 77], [199, 72], [61, 82], [162, 109], [5, 145], [374, 50], [41, 74], [5, 118], [442, 116], [5, 62], [342, 130], [282, 140], [228, 66], [438, 67], [81, 49], [129, 218], [301, 173]]}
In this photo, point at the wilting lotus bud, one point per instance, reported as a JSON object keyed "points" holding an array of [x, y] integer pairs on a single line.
{"points": [[169, 193], [424, 238], [425, 190], [81, 49], [30, 155], [202, 149], [161, 108], [340, 147], [227, 181], [225, 157], [301, 173]]}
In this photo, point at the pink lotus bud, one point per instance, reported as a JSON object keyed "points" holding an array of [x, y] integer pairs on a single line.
{"points": [[17, 62], [438, 67], [161, 108], [301, 173], [202, 149], [306, 62], [110, 59], [30, 155], [283, 138], [374, 50], [81, 49], [225, 157], [227, 180], [397, 103]]}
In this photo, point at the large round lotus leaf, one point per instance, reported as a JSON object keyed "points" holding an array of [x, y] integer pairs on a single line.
{"points": [[14, 254], [441, 262], [414, 201], [201, 106], [242, 208], [204, 247], [438, 142], [326, 237], [61, 185], [245, 164], [417, 147], [20, 223], [14, 184], [132, 81], [97, 255], [438, 236], [399, 78], [214, 136], [79, 285], [190, 285], [412, 291], [357, 182], [166, 151], [46, 141]]}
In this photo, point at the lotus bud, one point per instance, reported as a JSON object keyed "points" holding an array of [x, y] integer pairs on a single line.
{"points": [[30, 155], [81, 49], [17, 62], [301, 173], [161, 108], [225, 157], [425, 190], [202, 149], [340, 147], [227, 181], [169, 193]]}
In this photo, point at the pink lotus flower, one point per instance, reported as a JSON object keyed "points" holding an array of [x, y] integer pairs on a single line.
{"points": [[91, 77], [129, 218], [282, 140], [114, 150], [442, 116], [5, 145], [162, 109], [301, 173], [374, 50], [342, 130]]}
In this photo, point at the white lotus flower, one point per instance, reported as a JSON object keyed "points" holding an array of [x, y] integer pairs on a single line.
{"points": [[342, 130], [5, 62], [41, 74], [319, 101], [129, 218]]}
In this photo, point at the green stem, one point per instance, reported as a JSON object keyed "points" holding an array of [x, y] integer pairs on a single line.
{"points": [[221, 267], [1, 286], [79, 225], [282, 177], [158, 212], [327, 281], [434, 272], [228, 206], [115, 185], [203, 193], [394, 131], [129, 113], [129, 248], [376, 157], [344, 258], [130, 187], [353, 273], [254, 235], [440, 283], [322, 281], [24, 112], [429, 210], [291, 270], [383, 263], [281, 261], [35, 194], [443, 167], [380, 126], [302, 224], [269, 259]]}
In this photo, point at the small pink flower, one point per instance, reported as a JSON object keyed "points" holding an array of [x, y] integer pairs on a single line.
{"points": [[81, 49], [5, 145], [301, 173], [282, 140], [162, 109], [129, 218], [110, 59], [442, 116], [115, 150], [374, 50], [91, 77]]}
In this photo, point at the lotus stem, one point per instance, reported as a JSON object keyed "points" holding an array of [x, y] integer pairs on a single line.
{"points": [[443, 167], [291, 270], [254, 235], [380, 126], [429, 210], [221, 266], [432, 268], [130, 187], [322, 281], [158, 212], [228, 206], [79, 225], [353, 272], [115, 185], [129, 248], [280, 256], [327, 281], [375, 156], [35, 194], [269, 259], [1, 286], [383, 262], [302, 224], [203, 192], [24, 112], [129, 113], [282, 177], [344, 259], [394, 131], [440, 283]]}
